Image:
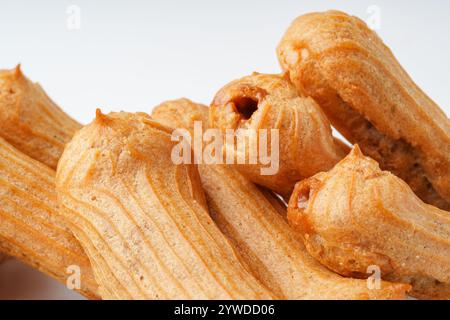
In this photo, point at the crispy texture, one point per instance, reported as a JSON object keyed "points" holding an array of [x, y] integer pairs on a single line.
{"points": [[143, 220], [356, 216], [263, 101], [370, 99], [31, 229], [31, 121], [255, 221]]}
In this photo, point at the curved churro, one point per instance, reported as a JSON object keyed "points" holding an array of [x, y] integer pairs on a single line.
{"points": [[31, 229], [259, 101], [370, 99], [255, 222], [143, 220], [356, 216], [31, 121]]}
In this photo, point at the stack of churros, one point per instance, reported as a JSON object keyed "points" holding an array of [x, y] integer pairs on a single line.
{"points": [[251, 198]]}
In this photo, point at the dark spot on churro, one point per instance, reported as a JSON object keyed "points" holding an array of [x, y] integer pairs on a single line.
{"points": [[246, 106]]}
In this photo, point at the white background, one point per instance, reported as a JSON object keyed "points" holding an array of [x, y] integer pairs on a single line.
{"points": [[132, 55]]}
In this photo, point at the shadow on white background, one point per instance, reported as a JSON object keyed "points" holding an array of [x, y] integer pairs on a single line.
{"points": [[20, 282]]}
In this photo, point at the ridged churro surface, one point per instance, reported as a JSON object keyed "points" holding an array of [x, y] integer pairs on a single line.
{"points": [[31, 229], [255, 222], [31, 121], [143, 220], [370, 99], [356, 216]]}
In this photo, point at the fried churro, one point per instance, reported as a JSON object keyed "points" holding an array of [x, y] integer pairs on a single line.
{"points": [[336, 59], [357, 216]]}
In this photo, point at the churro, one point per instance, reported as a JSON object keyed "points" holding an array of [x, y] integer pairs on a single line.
{"points": [[142, 220], [336, 59], [357, 216], [271, 102]]}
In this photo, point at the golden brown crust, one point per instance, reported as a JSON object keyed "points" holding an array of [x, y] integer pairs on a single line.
{"points": [[356, 216], [269, 102], [143, 220], [31, 229], [31, 121], [256, 224], [370, 99]]}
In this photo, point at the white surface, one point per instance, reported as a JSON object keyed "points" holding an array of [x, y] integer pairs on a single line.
{"points": [[18, 281], [132, 55]]}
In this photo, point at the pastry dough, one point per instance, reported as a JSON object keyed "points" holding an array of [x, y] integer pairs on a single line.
{"points": [[255, 221], [356, 216], [370, 99], [30, 121], [31, 228], [142, 220], [260, 101]]}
